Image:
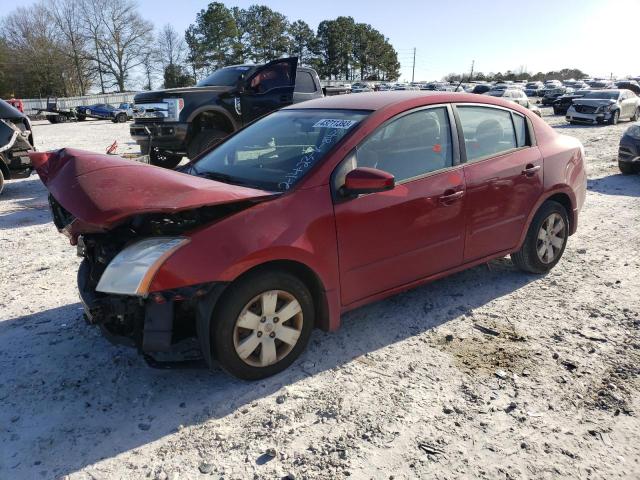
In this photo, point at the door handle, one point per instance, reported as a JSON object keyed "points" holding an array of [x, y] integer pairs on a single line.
{"points": [[450, 196], [531, 169]]}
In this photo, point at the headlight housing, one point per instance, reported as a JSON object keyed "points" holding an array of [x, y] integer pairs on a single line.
{"points": [[131, 271], [633, 131], [606, 108]]}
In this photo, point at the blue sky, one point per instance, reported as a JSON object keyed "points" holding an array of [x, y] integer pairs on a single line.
{"points": [[597, 36]]}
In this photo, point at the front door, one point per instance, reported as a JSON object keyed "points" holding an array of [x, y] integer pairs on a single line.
{"points": [[268, 89], [389, 239], [503, 174]]}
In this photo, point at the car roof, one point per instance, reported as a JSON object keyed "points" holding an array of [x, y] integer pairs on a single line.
{"points": [[376, 101]]}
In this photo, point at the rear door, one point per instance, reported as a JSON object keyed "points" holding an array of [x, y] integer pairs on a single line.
{"points": [[503, 174], [392, 238], [269, 88]]}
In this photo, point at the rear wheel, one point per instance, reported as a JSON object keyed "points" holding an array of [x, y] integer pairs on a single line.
{"points": [[262, 325], [545, 241], [203, 140], [636, 115], [627, 168]]}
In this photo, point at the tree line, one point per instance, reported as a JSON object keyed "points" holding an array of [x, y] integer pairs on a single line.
{"points": [[521, 74], [73, 47]]}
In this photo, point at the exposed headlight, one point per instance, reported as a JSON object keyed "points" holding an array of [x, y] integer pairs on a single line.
{"points": [[131, 271], [605, 108], [633, 131], [174, 107]]}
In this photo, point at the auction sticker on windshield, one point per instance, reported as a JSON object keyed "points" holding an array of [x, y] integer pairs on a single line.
{"points": [[334, 123]]}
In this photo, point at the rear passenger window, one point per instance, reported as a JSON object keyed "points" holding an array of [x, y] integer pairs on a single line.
{"points": [[521, 130], [305, 83], [487, 131], [413, 145]]}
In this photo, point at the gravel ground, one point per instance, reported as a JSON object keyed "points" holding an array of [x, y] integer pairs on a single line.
{"points": [[490, 373]]}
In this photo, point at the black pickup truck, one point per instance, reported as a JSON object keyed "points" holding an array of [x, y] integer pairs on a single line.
{"points": [[187, 121]]}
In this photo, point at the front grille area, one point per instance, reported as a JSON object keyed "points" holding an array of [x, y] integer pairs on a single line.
{"points": [[585, 108]]}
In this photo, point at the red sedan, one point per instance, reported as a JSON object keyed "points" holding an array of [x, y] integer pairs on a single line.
{"points": [[313, 210]]}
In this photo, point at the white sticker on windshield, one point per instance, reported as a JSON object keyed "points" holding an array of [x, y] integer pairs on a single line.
{"points": [[331, 123]]}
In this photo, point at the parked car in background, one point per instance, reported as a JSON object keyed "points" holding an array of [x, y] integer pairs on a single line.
{"points": [[122, 113], [563, 102], [16, 139], [355, 198], [551, 95], [600, 106], [531, 89], [629, 150], [516, 95], [99, 110], [629, 85], [188, 121], [481, 88], [359, 87], [601, 84]]}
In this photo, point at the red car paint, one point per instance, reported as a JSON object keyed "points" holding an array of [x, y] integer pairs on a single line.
{"points": [[360, 250]]}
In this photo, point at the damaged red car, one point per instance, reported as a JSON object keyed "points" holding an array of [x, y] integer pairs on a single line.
{"points": [[307, 213]]}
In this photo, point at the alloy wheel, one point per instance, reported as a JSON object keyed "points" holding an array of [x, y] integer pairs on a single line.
{"points": [[268, 328], [551, 238]]}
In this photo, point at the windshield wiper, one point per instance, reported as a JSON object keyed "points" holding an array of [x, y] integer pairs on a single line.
{"points": [[223, 177]]}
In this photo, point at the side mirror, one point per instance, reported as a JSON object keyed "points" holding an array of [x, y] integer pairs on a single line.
{"points": [[367, 180]]}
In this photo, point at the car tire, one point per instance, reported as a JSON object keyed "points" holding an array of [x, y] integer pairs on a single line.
{"points": [[550, 222], [121, 118], [636, 115], [204, 140], [627, 168], [1, 176], [243, 302], [614, 118], [556, 111], [164, 159], [81, 118]]}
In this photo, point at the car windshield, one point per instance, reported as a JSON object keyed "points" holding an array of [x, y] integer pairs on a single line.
{"points": [[278, 151], [225, 77], [603, 94]]}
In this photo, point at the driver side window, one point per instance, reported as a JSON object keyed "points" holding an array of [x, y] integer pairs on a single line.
{"points": [[273, 76], [410, 146]]}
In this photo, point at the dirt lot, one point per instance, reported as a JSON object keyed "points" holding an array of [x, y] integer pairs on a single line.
{"points": [[490, 373]]}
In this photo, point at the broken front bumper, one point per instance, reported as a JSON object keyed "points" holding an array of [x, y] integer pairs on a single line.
{"points": [[124, 320]]}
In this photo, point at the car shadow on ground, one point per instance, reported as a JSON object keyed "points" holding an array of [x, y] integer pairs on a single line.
{"points": [[619, 185], [30, 205], [70, 399]]}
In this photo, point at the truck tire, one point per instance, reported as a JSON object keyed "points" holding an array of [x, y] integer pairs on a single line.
{"points": [[164, 159], [627, 168], [203, 140]]}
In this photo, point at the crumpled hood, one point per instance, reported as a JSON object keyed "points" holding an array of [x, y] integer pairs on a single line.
{"points": [[102, 190]]}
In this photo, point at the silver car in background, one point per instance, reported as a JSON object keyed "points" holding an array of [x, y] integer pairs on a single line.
{"points": [[604, 106]]}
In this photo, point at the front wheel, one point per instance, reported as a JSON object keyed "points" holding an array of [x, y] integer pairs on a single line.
{"points": [[545, 241], [121, 118], [614, 118], [203, 140], [262, 325]]}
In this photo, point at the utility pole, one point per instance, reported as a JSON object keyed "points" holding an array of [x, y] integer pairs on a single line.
{"points": [[413, 71], [473, 62]]}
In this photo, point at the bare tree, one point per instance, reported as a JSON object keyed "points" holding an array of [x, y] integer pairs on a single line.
{"points": [[122, 37], [92, 27], [171, 47], [67, 15]]}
